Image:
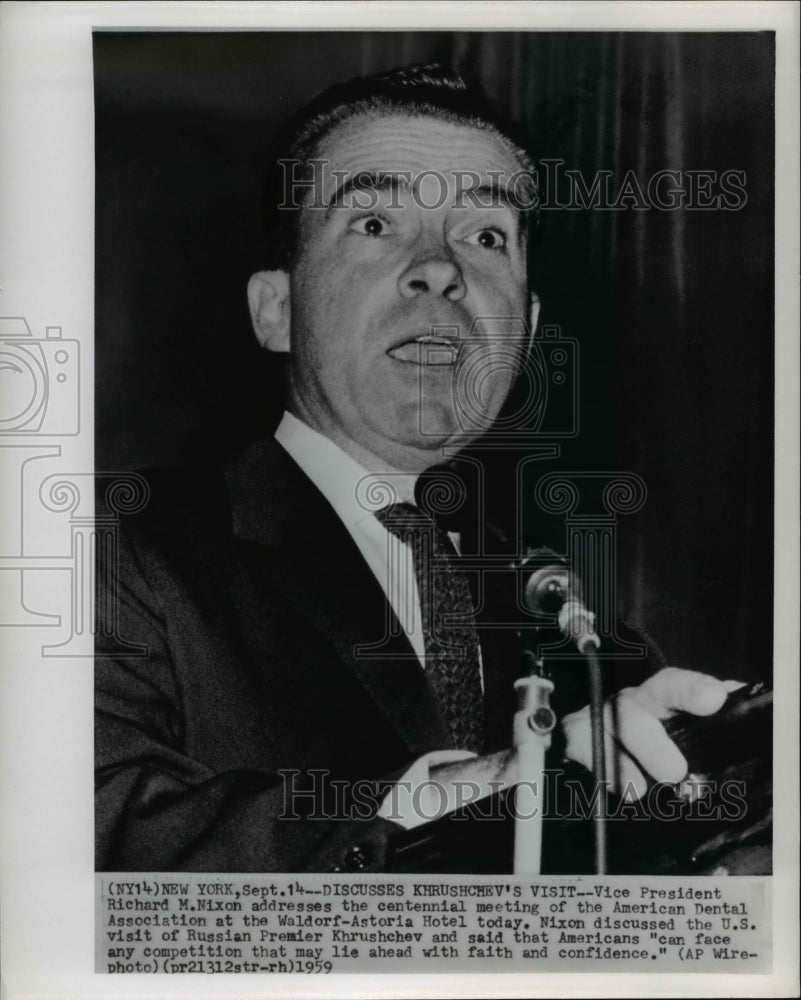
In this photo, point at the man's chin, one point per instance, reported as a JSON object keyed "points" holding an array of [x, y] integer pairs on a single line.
{"points": [[442, 425], [430, 436]]}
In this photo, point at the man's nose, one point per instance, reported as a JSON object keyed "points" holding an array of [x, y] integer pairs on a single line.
{"points": [[433, 272]]}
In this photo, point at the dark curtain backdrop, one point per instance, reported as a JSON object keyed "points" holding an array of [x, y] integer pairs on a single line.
{"points": [[672, 310]]}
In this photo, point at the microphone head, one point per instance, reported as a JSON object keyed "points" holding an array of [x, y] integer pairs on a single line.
{"points": [[550, 584], [553, 591], [547, 589]]}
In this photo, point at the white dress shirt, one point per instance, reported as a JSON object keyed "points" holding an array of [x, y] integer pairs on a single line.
{"points": [[356, 495]]}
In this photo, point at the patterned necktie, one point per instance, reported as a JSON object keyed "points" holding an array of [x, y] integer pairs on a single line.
{"points": [[451, 640]]}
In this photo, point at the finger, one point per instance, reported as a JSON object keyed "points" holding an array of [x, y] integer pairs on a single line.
{"points": [[643, 736], [622, 772], [578, 742], [672, 690], [734, 685], [629, 782]]}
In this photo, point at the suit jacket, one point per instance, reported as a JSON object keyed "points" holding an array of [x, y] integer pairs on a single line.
{"points": [[278, 691]]}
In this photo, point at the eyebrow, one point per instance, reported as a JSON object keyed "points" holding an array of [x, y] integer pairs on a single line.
{"points": [[495, 194], [368, 180]]}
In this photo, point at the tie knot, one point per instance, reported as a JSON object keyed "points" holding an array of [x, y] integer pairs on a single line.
{"points": [[404, 519]]}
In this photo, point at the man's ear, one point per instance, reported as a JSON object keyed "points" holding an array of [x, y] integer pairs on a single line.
{"points": [[534, 313], [533, 316], [268, 298]]}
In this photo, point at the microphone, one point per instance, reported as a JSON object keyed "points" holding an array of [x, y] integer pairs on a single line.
{"points": [[554, 590], [551, 590]]}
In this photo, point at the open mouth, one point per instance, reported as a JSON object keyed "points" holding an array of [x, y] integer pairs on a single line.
{"points": [[427, 350]]}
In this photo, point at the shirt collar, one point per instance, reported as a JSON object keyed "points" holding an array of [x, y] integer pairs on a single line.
{"points": [[352, 491]]}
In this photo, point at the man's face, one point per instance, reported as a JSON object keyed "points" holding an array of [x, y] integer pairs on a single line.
{"points": [[384, 263]]}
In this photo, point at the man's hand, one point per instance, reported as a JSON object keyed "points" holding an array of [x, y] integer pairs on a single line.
{"points": [[636, 742]]}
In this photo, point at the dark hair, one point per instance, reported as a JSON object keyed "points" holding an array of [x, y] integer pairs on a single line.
{"points": [[428, 90]]}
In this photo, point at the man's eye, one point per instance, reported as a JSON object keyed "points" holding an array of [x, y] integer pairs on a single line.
{"points": [[489, 239], [370, 225]]}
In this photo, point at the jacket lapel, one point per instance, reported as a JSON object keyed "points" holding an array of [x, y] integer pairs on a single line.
{"points": [[310, 554]]}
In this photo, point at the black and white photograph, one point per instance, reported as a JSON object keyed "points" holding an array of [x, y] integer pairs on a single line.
{"points": [[414, 506], [410, 290]]}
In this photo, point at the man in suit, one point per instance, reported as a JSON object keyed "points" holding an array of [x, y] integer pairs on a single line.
{"points": [[298, 686]]}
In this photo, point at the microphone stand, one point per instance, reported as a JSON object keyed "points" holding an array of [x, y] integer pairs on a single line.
{"points": [[533, 724], [535, 720], [576, 622]]}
